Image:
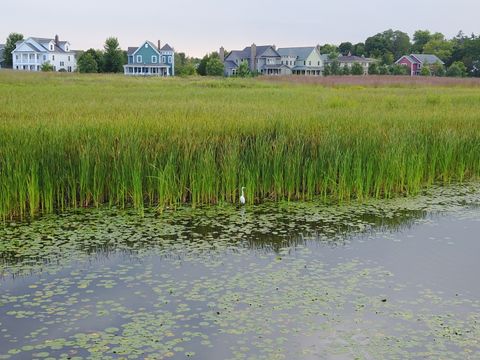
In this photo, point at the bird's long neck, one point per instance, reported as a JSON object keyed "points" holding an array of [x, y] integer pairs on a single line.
{"points": [[243, 195]]}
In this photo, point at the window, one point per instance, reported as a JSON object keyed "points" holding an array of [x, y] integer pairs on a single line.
{"points": [[164, 59], [309, 63], [154, 59], [44, 57], [139, 58], [170, 59], [68, 57], [16, 57], [146, 46], [53, 57], [51, 47], [62, 63]]}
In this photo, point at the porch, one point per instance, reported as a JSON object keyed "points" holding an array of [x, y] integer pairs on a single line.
{"points": [[147, 70]]}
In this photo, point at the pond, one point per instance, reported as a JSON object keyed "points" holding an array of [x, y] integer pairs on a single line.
{"points": [[390, 279]]}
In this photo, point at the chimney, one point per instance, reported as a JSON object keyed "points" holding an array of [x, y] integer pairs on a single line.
{"points": [[221, 53], [253, 57], [57, 40], [274, 47], [159, 45], [318, 49]]}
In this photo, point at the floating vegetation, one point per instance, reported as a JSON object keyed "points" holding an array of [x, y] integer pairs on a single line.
{"points": [[80, 141], [228, 283]]}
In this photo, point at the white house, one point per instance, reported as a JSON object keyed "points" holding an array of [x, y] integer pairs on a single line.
{"points": [[32, 53]]}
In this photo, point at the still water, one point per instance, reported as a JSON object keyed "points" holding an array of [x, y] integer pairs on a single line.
{"points": [[391, 279]]}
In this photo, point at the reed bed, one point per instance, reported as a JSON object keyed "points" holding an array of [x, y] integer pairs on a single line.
{"points": [[69, 141]]}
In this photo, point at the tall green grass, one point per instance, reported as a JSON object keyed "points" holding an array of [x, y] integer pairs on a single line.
{"points": [[77, 141]]}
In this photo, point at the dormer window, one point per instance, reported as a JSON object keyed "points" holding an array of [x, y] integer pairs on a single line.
{"points": [[139, 58], [51, 47], [66, 48]]}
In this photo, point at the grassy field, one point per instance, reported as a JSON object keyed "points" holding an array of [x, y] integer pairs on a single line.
{"points": [[77, 140]]}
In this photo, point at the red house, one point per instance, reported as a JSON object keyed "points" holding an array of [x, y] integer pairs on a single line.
{"points": [[415, 62]]}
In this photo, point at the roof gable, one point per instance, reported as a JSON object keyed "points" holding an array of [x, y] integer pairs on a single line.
{"points": [[428, 59], [166, 47], [300, 53], [150, 45]]}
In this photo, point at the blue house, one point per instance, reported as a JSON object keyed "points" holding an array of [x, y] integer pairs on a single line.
{"points": [[150, 60]]}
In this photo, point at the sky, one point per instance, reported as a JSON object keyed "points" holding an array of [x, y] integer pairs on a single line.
{"points": [[197, 27]]}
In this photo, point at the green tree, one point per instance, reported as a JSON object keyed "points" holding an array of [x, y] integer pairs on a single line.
{"points": [[184, 66], [396, 69], [202, 66], [357, 69], [438, 69], [397, 43], [46, 67], [457, 69], [388, 58], [359, 49], [243, 69], [327, 70], [345, 70], [425, 71], [383, 70], [86, 63], [373, 69], [113, 56], [345, 48], [328, 49], [98, 56], [420, 39], [440, 47], [10, 45], [215, 67]]}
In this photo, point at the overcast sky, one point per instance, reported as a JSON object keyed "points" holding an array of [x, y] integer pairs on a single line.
{"points": [[197, 27]]}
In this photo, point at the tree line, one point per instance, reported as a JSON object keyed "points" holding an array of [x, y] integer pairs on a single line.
{"points": [[461, 54]]}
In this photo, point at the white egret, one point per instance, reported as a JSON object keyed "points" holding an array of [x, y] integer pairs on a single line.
{"points": [[242, 198]]}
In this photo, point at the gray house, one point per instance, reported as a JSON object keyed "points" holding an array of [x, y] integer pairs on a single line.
{"points": [[267, 60], [2, 57], [262, 59]]}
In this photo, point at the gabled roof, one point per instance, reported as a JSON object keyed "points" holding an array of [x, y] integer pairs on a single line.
{"points": [[132, 50], [300, 53], [40, 44], [427, 58], [246, 53], [231, 64], [166, 47], [353, 59]]}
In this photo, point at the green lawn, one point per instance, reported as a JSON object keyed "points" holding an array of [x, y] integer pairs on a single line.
{"points": [[85, 140]]}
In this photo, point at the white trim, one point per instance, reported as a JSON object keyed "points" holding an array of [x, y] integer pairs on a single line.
{"points": [[154, 59], [137, 59]]}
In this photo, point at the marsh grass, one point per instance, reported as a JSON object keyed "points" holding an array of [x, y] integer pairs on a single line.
{"points": [[77, 141]]}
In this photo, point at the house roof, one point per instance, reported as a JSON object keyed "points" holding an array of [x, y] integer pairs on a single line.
{"points": [[166, 47], [231, 64], [353, 59], [42, 47], [245, 53], [427, 58], [300, 53], [131, 50]]}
